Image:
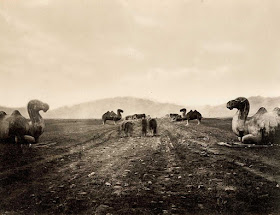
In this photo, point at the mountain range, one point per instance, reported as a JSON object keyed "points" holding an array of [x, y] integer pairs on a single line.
{"points": [[132, 105]]}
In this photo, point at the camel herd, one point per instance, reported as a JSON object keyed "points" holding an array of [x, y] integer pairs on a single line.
{"points": [[261, 128]]}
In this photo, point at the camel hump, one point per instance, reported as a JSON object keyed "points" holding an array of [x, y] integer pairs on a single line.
{"points": [[106, 113], [16, 113], [190, 112], [18, 125], [109, 114], [112, 114], [261, 111]]}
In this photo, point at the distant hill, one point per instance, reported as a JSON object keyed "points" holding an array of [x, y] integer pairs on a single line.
{"points": [[129, 105], [132, 105]]}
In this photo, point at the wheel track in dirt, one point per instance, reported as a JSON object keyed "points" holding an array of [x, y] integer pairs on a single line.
{"points": [[106, 163], [238, 158], [168, 181], [128, 150], [98, 133], [85, 145], [216, 149]]}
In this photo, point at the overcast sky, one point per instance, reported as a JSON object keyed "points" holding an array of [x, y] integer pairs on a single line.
{"points": [[196, 52]]}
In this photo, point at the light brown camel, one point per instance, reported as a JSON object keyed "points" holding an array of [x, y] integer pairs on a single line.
{"points": [[191, 115], [260, 128], [16, 128], [112, 116]]}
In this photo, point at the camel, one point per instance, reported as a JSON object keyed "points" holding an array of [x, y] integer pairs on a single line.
{"points": [[153, 126], [191, 115], [144, 123], [260, 128], [17, 129], [175, 117], [112, 116], [179, 117], [129, 117], [138, 116], [127, 128]]}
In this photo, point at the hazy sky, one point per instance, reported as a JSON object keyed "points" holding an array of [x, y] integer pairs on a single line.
{"points": [[189, 52]]}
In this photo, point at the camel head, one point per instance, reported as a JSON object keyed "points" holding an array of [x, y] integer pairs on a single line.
{"points": [[120, 111], [184, 110], [36, 106], [241, 104]]}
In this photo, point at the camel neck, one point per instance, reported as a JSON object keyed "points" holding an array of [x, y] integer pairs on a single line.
{"points": [[242, 114], [35, 117]]}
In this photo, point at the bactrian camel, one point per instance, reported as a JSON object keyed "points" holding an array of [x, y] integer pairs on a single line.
{"points": [[153, 126], [17, 129], [261, 128], [191, 115], [112, 116], [127, 128]]}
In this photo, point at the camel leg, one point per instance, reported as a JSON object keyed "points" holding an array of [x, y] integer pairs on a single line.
{"points": [[250, 138], [198, 121], [187, 123]]}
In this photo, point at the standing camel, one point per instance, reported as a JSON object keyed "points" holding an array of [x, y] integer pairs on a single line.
{"points": [[112, 116], [191, 115]]}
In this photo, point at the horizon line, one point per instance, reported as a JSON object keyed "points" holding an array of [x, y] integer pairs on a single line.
{"points": [[149, 99]]}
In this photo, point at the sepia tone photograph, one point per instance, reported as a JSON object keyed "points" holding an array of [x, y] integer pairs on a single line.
{"points": [[139, 107]]}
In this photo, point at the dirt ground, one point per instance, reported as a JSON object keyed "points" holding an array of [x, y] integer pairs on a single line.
{"points": [[83, 167]]}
